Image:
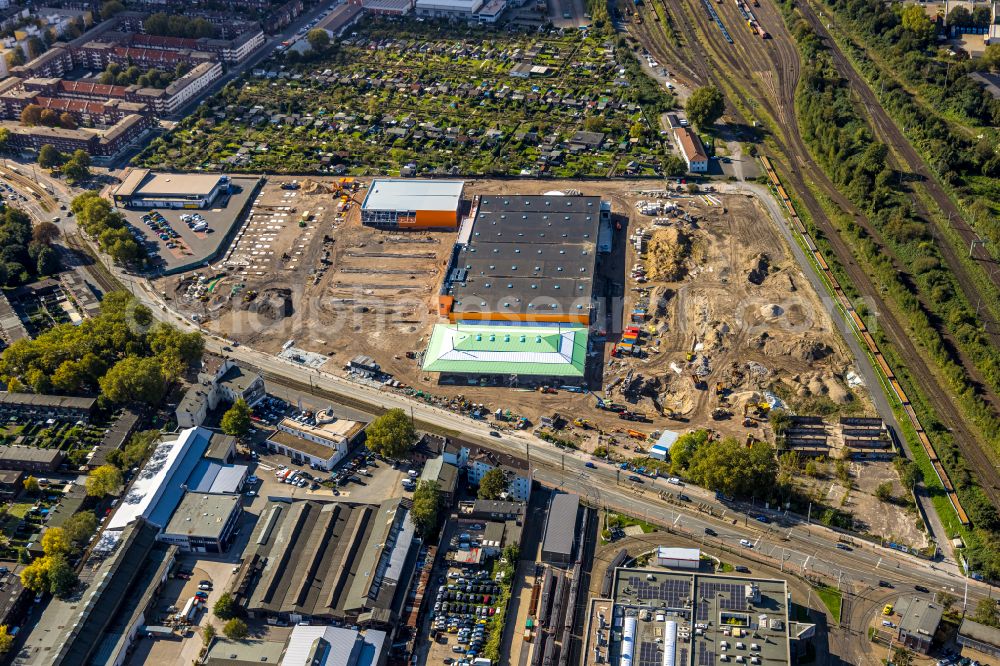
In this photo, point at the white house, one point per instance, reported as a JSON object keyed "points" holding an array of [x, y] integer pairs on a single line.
{"points": [[692, 150]]}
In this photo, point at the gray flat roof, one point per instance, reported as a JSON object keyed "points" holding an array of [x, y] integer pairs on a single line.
{"points": [[144, 183], [202, 514], [529, 254], [39, 400], [406, 195], [18, 453], [225, 652], [560, 525]]}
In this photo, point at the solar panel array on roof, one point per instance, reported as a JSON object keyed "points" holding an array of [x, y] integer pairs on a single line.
{"points": [[650, 654], [671, 591]]}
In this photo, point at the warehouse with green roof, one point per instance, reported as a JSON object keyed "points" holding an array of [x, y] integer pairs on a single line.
{"points": [[508, 354]]}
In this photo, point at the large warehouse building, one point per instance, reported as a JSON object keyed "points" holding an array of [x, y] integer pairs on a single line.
{"points": [[685, 618], [522, 351], [528, 258], [522, 291], [143, 188], [409, 204], [330, 561]]}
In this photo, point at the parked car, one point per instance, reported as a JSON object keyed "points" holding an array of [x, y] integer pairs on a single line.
{"points": [[590, 465], [746, 543]]}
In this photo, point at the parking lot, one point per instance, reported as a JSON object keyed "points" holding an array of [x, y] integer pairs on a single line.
{"points": [[359, 477], [185, 246], [465, 600], [194, 575]]}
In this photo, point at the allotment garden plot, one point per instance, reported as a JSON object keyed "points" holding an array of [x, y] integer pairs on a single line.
{"points": [[398, 98]]}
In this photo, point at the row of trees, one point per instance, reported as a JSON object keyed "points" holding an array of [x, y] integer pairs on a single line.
{"points": [[52, 573], [99, 220], [121, 353], [929, 295], [177, 25], [115, 74], [33, 114], [25, 252], [725, 465]]}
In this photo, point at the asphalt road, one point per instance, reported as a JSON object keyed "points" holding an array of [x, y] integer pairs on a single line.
{"points": [[805, 550]]}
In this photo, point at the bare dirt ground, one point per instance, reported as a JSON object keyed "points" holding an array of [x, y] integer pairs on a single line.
{"points": [[339, 289], [727, 295]]}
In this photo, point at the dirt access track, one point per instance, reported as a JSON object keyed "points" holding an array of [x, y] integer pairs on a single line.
{"points": [[334, 288]]}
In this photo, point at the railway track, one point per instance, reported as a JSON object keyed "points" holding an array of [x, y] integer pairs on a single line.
{"points": [[873, 348], [718, 62]]}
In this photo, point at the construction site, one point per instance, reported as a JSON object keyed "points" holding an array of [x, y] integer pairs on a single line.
{"points": [[702, 317]]}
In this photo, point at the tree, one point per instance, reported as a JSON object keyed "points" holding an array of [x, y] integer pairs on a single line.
{"points": [[235, 629], [111, 8], [780, 421], [392, 434], [105, 480], [15, 57], [812, 469], [426, 505], [728, 467], [914, 19], [134, 379], [49, 157], [45, 233], [946, 599], [62, 577], [81, 156], [36, 47], [208, 633], [139, 447], [705, 106], [319, 40], [35, 576], [225, 607], [593, 123], [75, 171], [31, 115], [4, 139], [52, 574], [902, 657], [81, 527], [987, 613], [6, 640], [49, 117], [884, 491], [991, 57], [48, 261], [56, 542], [493, 485], [236, 420], [959, 16], [683, 450], [31, 485], [67, 121]]}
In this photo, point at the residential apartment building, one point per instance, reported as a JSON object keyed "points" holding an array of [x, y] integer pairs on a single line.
{"points": [[25, 406], [220, 380], [477, 460]]}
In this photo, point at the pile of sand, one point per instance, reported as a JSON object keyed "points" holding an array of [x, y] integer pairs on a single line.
{"points": [[665, 255]]}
